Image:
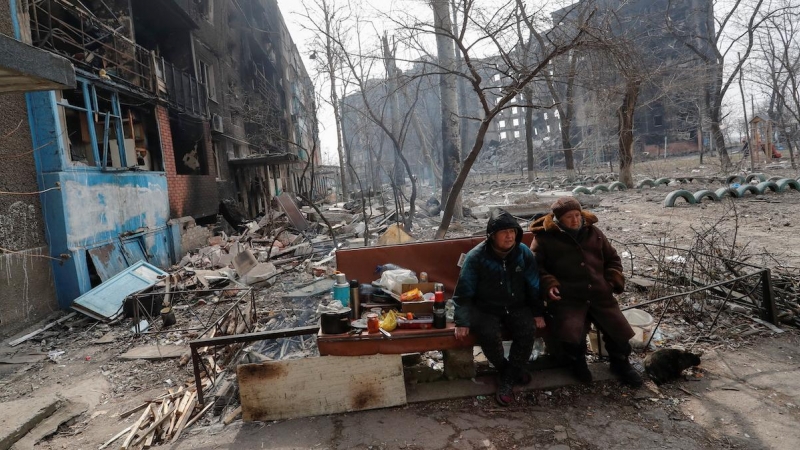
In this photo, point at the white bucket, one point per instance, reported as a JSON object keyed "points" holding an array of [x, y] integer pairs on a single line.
{"points": [[642, 324]]}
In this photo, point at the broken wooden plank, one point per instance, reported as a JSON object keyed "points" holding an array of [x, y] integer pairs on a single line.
{"points": [[116, 436], [231, 416], [767, 324], [199, 415], [152, 427], [18, 341], [135, 429], [291, 389], [155, 352], [185, 413]]}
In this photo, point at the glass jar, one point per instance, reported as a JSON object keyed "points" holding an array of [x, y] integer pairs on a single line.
{"points": [[373, 323]]}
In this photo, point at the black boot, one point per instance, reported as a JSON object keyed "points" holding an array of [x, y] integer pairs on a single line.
{"points": [[505, 387], [576, 354], [625, 372]]}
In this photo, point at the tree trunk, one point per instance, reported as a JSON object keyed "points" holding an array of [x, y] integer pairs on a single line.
{"points": [[462, 88], [715, 113], [625, 114], [459, 181], [529, 133], [569, 155], [451, 139], [337, 114]]}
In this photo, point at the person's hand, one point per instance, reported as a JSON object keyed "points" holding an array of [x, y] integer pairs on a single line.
{"points": [[554, 293], [461, 332], [539, 322]]}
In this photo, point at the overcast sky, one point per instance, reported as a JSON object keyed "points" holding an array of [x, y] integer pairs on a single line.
{"points": [[418, 8], [290, 10]]}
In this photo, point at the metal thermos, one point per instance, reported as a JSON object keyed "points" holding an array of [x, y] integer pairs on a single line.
{"points": [[355, 299], [439, 315]]}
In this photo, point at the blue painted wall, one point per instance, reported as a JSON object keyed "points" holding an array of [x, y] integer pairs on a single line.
{"points": [[91, 207]]}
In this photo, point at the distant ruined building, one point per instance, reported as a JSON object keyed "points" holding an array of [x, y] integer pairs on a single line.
{"points": [[670, 109]]}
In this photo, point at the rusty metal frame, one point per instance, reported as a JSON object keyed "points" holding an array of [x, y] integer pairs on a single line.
{"points": [[183, 294], [222, 341], [759, 277]]}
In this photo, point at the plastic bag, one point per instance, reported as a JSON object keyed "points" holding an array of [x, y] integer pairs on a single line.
{"points": [[412, 295], [389, 322], [393, 280]]}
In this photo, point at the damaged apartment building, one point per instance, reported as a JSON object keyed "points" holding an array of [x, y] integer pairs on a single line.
{"points": [[177, 106]]}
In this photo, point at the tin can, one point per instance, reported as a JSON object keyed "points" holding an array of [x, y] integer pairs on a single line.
{"points": [[373, 324]]}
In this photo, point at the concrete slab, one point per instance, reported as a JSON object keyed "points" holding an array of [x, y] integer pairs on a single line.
{"points": [[18, 417], [49, 426]]}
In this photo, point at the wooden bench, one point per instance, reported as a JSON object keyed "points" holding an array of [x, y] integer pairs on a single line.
{"points": [[401, 341], [439, 259], [458, 353]]}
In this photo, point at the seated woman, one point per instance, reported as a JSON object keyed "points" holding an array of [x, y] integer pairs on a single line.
{"points": [[580, 273], [498, 288]]}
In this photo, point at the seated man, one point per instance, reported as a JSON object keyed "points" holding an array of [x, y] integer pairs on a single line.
{"points": [[580, 273], [498, 287]]}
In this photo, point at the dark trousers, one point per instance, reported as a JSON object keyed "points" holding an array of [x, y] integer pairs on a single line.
{"points": [[488, 332], [617, 351]]}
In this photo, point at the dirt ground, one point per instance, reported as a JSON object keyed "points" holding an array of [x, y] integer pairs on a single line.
{"points": [[746, 395]]}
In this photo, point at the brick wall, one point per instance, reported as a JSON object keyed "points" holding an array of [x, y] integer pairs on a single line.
{"points": [[189, 195]]}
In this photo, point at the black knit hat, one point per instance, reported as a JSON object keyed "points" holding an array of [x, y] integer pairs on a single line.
{"points": [[500, 219]]}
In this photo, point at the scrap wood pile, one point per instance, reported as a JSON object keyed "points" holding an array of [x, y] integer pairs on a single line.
{"points": [[162, 419], [715, 285]]}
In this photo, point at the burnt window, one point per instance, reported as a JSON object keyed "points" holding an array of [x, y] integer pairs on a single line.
{"points": [[188, 145], [101, 128]]}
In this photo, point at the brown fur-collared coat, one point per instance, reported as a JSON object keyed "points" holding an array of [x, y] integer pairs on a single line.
{"points": [[587, 272]]}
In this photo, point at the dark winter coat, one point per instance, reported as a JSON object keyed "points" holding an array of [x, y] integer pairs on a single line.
{"points": [[489, 284], [587, 271]]}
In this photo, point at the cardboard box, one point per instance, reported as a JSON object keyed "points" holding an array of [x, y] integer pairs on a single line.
{"points": [[421, 308], [424, 287]]}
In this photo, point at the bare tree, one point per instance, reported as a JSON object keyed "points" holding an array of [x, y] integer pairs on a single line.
{"points": [[736, 24], [451, 136], [777, 71], [325, 19], [492, 26]]}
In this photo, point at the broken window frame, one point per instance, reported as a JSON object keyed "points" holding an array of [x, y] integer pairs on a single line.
{"points": [[89, 109], [113, 128], [205, 72]]}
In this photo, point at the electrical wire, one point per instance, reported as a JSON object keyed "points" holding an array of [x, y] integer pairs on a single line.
{"points": [[13, 252], [57, 188]]}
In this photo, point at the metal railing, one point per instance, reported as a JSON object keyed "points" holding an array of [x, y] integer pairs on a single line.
{"points": [[90, 43], [93, 45], [183, 91]]}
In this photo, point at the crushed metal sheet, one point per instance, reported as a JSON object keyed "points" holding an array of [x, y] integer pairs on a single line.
{"points": [[292, 212]]}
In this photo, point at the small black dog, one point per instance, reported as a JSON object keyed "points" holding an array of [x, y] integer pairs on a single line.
{"points": [[667, 364]]}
